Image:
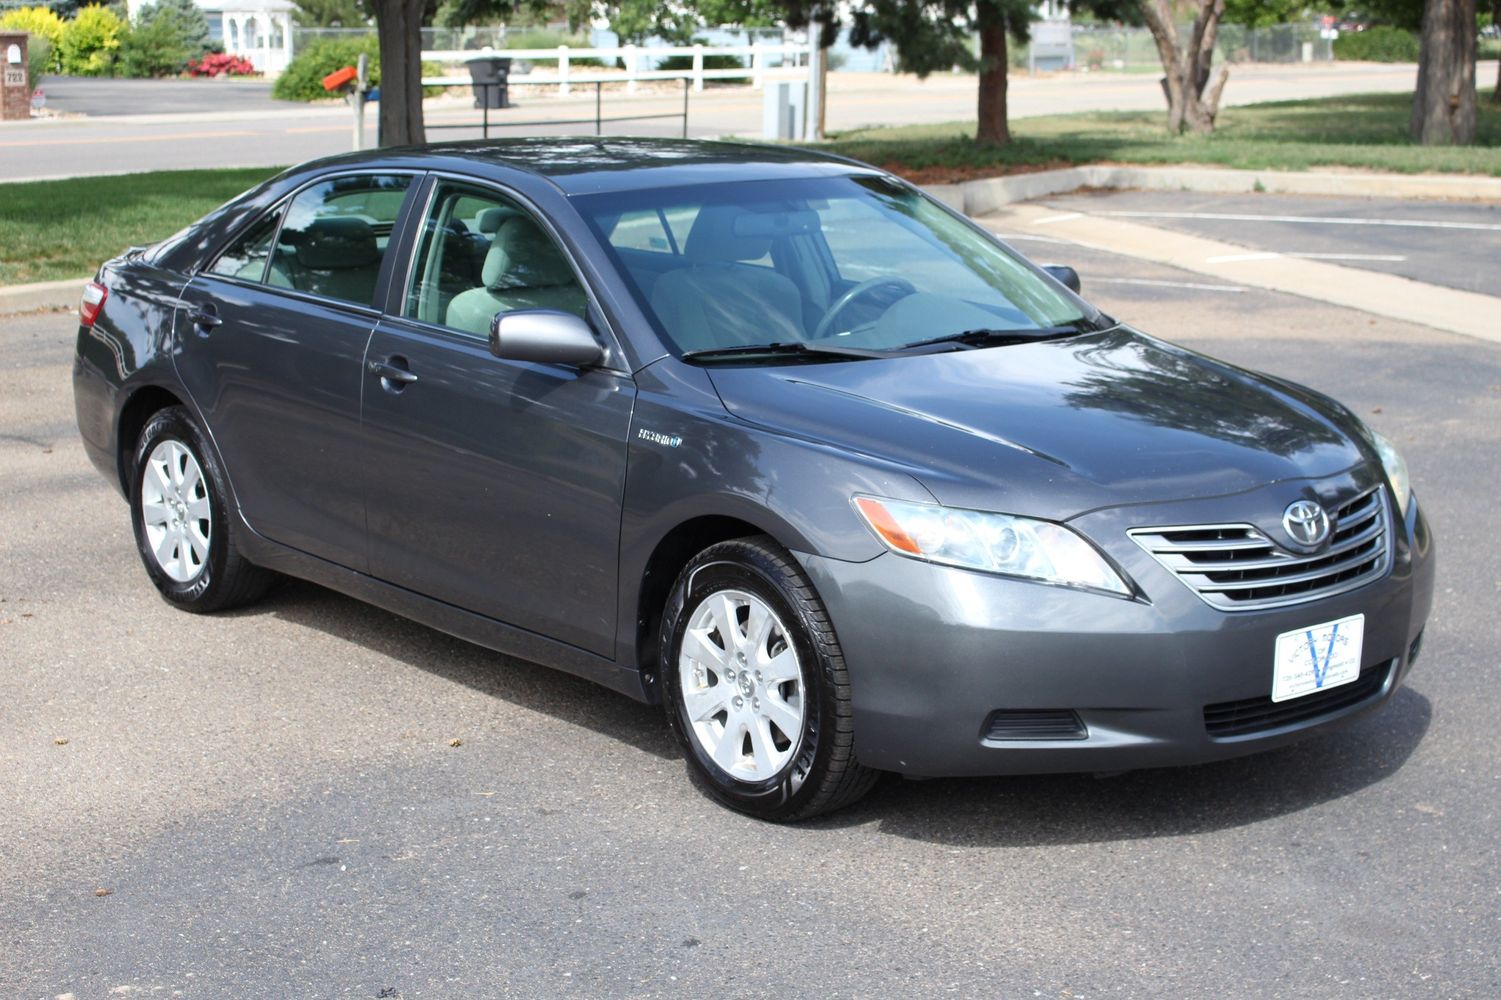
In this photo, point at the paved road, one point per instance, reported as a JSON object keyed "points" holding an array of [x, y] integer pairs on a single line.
{"points": [[275, 135], [96, 97], [1455, 244], [272, 803]]}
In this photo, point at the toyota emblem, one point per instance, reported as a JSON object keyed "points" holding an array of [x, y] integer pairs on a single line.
{"points": [[1306, 523]]}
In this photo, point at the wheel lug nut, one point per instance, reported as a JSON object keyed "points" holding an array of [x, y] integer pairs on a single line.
{"points": [[739, 702]]}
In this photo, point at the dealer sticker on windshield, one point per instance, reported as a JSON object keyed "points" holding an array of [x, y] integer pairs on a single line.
{"points": [[1317, 658]]}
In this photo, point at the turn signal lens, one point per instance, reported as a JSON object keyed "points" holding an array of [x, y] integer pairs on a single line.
{"points": [[994, 543], [94, 295]]}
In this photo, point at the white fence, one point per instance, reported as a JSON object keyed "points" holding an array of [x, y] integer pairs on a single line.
{"points": [[757, 59]]}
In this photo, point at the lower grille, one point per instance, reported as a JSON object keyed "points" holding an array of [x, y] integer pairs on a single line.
{"points": [[1230, 719], [1035, 724]]}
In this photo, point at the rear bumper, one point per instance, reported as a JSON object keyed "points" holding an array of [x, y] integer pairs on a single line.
{"points": [[934, 651]]}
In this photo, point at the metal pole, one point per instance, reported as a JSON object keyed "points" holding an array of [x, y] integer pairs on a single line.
{"points": [[361, 80], [485, 114], [597, 123], [686, 88]]}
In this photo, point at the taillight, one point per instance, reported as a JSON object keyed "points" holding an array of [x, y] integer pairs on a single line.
{"points": [[94, 295]]}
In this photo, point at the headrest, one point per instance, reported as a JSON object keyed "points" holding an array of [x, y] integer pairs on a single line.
{"points": [[337, 242], [490, 219], [522, 256], [714, 236]]}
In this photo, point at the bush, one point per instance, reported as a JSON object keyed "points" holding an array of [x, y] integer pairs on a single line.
{"points": [[39, 59], [220, 64], [302, 80], [165, 36], [90, 42], [1381, 43], [44, 27]]}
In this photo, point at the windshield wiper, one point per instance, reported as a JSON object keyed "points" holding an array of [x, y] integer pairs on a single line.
{"points": [[794, 348], [987, 337]]}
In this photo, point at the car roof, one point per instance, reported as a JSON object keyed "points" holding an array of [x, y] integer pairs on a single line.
{"points": [[589, 165]]}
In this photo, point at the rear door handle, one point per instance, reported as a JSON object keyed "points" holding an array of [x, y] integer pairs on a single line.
{"points": [[393, 372]]}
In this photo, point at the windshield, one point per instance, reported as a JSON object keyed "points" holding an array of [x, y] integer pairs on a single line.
{"points": [[835, 262]]}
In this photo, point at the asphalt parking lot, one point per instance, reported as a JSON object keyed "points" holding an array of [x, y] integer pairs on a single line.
{"points": [[1454, 244], [312, 798]]}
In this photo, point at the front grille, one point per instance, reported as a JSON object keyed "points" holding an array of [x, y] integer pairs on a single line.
{"points": [[1234, 567], [1230, 719], [1035, 724]]}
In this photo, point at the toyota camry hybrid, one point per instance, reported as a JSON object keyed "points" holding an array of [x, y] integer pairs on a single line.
{"points": [[768, 436]]}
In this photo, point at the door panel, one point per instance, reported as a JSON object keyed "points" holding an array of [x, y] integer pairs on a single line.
{"points": [[278, 382], [496, 485], [270, 342]]}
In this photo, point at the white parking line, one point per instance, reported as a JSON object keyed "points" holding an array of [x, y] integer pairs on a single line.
{"points": [[1065, 217], [1273, 255], [1155, 283], [1317, 220]]}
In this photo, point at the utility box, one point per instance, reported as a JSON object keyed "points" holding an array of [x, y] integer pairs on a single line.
{"points": [[15, 88], [784, 105]]}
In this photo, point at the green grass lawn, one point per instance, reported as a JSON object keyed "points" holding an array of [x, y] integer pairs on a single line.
{"points": [[1364, 131], [64, 229]]}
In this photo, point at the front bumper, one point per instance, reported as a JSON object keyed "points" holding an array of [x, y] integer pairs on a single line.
{"points": [[934, 651]]}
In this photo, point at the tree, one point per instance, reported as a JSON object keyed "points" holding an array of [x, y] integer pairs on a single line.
{"points": [[398, 26], [331, 14], [1443, 109], [1193, 100], [1496, 20]]}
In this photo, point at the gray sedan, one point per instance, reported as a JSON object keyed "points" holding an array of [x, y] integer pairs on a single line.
{"points": [[768, 436]]}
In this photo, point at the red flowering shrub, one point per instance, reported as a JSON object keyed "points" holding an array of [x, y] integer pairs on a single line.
{"points": [[221, 64]]}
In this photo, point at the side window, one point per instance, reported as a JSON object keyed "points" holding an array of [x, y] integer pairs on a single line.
{"points": [[336, 234], [247, 256], [482, 254]]}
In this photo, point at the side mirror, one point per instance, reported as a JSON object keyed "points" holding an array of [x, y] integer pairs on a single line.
{"points": [[549, 336], [1066, 276]]}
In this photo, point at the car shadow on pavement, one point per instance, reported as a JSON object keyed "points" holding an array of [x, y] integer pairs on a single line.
{"points": [[1044, 810], [1025, 811], [529, 685]]}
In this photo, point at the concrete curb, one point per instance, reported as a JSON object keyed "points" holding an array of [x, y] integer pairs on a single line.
{"points": [[983, 196], [41, 295]]}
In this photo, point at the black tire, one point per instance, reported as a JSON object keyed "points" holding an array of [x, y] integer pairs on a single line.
{"points": [[224, 578], [823, 773]]}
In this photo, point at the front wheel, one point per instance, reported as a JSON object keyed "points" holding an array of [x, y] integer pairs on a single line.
{"points": [[180, 511], [755, 685]]}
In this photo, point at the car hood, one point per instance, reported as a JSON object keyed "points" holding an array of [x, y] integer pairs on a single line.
{"points": [[1056, 428]]}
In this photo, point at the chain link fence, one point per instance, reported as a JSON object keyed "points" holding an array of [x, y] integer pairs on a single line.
{"points": [[1133, 50]]}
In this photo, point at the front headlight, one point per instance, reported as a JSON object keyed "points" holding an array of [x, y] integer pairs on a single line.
{"points": [[1396, 469], [994, 543]]}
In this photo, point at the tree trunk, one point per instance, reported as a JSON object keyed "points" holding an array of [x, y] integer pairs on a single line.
{"points": [[398, 23], [1443, 109], [1496, 19], [993, 130], [1191, 88]]}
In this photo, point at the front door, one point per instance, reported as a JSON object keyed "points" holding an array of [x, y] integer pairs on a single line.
{"points": [[496, 485], [272, 337]]}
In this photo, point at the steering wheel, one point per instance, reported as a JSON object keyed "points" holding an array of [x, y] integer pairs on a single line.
{"points": [[863, 288]]}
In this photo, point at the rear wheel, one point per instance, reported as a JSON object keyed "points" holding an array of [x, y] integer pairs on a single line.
{"points": [[180, 512], [755, 685]]}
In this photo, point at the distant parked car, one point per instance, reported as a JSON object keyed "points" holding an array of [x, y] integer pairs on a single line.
{"points": [[769, 436]]}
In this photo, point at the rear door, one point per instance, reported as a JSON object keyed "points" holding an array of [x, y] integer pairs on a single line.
{"points": [[497, 485], [271, 337]]}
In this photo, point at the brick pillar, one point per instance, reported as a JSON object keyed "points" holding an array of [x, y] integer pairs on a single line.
{"points": [[15, 95]]}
